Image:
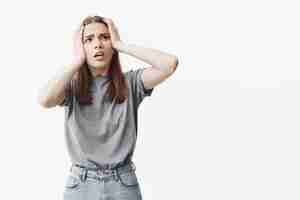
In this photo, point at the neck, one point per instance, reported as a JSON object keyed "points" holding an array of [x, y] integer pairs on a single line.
{"points": [[103, 71]]}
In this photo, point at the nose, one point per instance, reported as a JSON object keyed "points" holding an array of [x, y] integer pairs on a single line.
{"points": [[98, 44]]}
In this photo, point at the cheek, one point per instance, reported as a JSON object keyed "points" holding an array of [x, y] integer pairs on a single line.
{"points": [[108, 44], [88, 52], [109, 50]]}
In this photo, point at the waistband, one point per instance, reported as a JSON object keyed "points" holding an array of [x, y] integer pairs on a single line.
{"points": [[91, 164], [84, 171]]}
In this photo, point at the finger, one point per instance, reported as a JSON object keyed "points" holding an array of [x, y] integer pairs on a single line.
{"points": [[108, 21], [81, 32]]}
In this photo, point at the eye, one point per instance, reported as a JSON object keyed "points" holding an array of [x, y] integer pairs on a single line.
{"points": [[88, 39]]}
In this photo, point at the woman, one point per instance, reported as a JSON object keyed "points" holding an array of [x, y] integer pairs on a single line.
{"points": [[101, 106]]}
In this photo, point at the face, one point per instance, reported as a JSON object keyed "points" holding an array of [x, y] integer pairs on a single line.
{"points": [[96, 40]]}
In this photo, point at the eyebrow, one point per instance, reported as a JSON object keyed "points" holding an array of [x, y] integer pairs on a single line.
{"points": [[91, 35]]}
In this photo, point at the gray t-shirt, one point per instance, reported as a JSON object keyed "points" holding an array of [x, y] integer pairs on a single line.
{"points": [[104, 132]]}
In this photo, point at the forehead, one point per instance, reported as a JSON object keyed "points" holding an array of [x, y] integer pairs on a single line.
{"points": [[95, 28]]}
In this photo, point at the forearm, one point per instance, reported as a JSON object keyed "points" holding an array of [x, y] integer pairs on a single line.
{"points": [[54, 88], [156, 58]]}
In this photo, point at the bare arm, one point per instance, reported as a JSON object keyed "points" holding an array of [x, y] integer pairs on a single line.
{"points": [[162, 64], [53, 92]]}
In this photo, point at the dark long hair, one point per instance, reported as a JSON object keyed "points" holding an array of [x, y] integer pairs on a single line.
{"points": [[79, 85]]}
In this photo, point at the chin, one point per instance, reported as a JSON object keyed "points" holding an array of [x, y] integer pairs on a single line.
{"points": [[98, 65]]}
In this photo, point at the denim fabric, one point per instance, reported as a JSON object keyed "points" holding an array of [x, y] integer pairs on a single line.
{"points": [[101, 184]]}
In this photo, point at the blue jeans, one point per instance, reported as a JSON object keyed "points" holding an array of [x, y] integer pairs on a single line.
{"points": [[86, 181]]}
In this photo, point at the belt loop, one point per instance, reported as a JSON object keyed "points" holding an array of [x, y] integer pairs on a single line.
{"points": [[133, 167], [83, 174], [116, 177], [72, 166]]}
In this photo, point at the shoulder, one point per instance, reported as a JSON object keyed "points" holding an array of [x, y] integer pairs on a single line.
{"points": [[132, 72], [133, 75]]}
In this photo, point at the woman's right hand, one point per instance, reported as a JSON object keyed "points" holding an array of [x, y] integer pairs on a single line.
{"points": [[78, 57]]}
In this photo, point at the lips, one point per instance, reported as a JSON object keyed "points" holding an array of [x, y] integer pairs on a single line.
{"points": [[99, 54]]}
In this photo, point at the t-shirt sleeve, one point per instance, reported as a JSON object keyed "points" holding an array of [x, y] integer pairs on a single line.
{"points": [[139, 92]]}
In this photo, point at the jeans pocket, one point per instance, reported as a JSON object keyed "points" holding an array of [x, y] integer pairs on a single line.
{"points": [[72, 182], [128, 179]]}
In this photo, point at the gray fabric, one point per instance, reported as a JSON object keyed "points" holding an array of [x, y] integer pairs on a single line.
{"points": [[104, 132]]}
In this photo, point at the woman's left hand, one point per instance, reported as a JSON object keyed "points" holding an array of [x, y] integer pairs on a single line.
{"points": [[114, 35]]}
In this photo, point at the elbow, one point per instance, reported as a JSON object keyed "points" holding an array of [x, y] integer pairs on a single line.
{"points": [[46, 105], [43, 103], [174, 63]]}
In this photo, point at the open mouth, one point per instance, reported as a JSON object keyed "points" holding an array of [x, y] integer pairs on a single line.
{"points": [[99, 58], [99, 54]]}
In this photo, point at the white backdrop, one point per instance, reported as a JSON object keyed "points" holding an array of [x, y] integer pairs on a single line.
{"points": [[224, 126]]}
